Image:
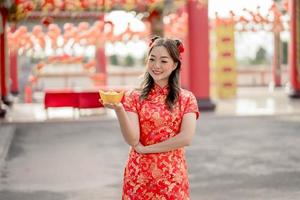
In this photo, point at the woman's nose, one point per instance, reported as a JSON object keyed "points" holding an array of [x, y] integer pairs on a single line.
{"points": [[155, 65]]}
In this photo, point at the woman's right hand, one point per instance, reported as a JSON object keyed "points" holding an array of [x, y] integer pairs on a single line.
{"points": [[115, 106], [140, 148]]}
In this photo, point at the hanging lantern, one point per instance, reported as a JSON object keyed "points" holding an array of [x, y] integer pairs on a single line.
{"points": [[48, 4], [46, 21]]}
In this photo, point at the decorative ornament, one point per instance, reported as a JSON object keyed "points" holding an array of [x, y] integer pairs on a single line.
{"points": [[47, 20], [180, 48]]}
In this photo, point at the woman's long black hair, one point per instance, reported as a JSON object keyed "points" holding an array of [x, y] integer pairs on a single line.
{"points": [[172, 47]]}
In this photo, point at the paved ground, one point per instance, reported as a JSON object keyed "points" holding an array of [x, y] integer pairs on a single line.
{"points": [[234, 158]]}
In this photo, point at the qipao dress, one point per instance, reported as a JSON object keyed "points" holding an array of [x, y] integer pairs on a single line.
{"points": [[161, 176]]}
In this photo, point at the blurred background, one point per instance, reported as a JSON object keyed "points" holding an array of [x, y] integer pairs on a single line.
{"points": [[63, 46], [241, 60]]}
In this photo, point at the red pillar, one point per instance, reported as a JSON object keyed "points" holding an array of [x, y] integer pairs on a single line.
{"points": [[184, 74], [3, 83], [294, 48], [100, 56], [101, 59], [13, 62], [199, 53], [13, 65], [101, 64], [2, 111]]}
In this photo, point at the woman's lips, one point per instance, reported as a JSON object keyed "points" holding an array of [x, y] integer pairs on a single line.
{"points": [[156, 72]]}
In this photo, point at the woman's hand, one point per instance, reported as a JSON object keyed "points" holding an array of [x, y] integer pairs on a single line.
{"points": [[114, 106], [140, 148]]}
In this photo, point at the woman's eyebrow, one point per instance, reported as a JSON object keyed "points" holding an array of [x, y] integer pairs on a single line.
{"points": [[167, 57]]}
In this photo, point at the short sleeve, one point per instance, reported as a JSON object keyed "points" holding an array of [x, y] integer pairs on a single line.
{"points": [[192, 105], [130, 101]]}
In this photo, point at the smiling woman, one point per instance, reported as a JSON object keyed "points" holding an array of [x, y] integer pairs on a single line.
{"points": [[158, 120]]}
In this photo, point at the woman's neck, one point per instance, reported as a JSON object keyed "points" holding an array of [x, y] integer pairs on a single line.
{"points": [[161, 85]]}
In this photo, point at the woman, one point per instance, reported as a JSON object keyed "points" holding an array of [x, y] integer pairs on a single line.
{"points": [[158, 121]]}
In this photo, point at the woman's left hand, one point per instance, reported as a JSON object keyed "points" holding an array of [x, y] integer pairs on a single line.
{"points": [[139, 148]]}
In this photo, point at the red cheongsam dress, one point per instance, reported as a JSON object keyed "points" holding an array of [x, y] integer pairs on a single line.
{"points": [[161, 176]]}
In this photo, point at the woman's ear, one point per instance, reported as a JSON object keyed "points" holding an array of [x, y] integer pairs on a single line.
{"points": [[175, 66]]}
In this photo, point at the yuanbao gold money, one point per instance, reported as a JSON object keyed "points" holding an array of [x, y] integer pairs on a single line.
{"points": [[111, 97]]}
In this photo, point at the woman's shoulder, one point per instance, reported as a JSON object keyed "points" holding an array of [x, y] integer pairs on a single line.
{"points": [[186, 93], [133, 93]]}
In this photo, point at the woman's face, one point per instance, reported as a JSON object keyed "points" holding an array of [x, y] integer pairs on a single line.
{"points": [[160, 65]]}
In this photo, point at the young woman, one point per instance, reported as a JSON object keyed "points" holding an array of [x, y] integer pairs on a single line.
{"points": [[158, 121]]}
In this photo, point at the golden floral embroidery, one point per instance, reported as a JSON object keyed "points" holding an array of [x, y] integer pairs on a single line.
{"points": [[161, 175]]}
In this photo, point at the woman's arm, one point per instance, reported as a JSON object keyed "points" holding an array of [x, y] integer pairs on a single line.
{"points": [[129, 124], [183, 138]]}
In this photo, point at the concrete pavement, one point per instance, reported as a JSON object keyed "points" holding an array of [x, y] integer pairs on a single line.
{"points": [[254, 157]]}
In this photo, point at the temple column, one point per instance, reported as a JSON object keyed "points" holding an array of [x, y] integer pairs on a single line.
{"points": [[3, 91], [185, 73], [100, 56], [13, 66], [276, 67], [3, 53], [294, 49], [199, 72], [13, 58], [101, 59]]}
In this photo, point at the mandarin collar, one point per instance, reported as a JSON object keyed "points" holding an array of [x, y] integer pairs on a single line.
{"points": [[161, 90]]}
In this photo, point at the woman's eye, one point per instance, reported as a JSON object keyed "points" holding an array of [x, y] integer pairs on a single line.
{"points": [[151, 59], [163, 61]]}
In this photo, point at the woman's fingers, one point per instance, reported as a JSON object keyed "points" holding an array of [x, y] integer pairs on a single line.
{"points": [[139, 148], [110, 105]]}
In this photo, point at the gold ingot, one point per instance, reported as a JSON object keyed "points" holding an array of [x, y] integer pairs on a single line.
{"points": [[111, 97]]}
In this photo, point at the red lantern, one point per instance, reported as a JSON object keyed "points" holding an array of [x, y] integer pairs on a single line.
{"points": [[48, 4], [47, 20]]}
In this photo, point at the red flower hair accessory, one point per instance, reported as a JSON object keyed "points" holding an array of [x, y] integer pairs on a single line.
{"points": [[180, 48]]}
